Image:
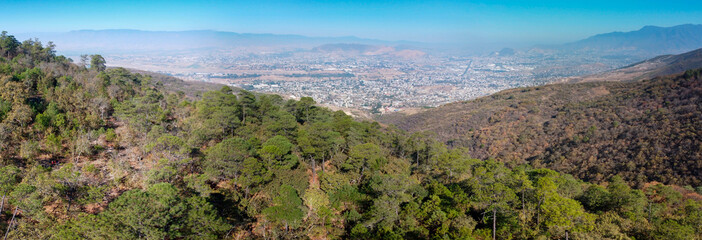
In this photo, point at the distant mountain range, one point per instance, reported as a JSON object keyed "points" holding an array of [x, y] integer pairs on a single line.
{"points": [[649, 40], [646, 42], [129, 41]]}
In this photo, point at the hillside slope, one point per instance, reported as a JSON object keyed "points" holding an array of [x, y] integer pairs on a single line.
{"points": [[644, 131], [655, 67]]}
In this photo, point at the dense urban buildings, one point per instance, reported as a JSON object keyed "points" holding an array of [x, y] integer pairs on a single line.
{"points": [[377, 82]]}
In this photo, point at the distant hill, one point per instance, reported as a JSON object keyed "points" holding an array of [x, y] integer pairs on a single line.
{"points": [[647, 130], [368, 50], [649, 41], [506, 52], [130, 41], [655, 67], [350, 47]]}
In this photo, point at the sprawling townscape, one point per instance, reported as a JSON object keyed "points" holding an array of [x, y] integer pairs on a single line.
{"points": [[375, 82]]}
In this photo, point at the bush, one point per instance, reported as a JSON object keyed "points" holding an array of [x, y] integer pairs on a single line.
{"points": [[110, 135]]}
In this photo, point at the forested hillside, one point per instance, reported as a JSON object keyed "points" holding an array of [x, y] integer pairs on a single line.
{"points": [[96, 153]]}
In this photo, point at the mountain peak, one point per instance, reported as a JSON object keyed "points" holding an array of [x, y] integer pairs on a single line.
{"points": [[650, 27]]}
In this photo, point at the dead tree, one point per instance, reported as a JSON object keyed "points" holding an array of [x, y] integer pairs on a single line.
{"points": [[7, 232]]}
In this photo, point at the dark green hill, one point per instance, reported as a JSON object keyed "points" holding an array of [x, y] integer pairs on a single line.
{"points": [[645, 131]]}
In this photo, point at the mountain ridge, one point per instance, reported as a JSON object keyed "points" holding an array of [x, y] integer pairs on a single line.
{"points": [[130, 40], [649, 40]]}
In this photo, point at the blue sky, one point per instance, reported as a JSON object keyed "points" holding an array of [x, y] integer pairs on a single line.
{"points": [[543, 21]]}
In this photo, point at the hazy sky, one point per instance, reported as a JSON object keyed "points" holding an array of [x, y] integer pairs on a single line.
{"points": [[544, 21]]}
